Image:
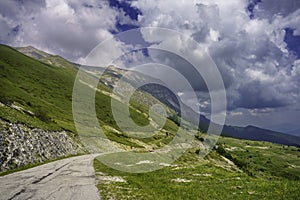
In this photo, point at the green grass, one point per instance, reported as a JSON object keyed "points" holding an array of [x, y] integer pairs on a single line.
{"points": [[268, 171], [46, 91], [208, 181], [263, 159], [16, 116], [37, 86]]}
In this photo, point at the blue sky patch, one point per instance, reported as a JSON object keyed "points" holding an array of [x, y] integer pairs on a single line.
{"points": [[130, 11], [293, 41], [125, 27], [251, 7]]}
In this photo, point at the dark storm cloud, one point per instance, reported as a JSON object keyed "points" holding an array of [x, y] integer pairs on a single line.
{"points": [[255, 95], [246, 39]]}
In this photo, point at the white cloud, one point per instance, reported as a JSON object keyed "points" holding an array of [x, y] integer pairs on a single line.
{"points": [[66, 27], [235, 114], [245, 50], [251, 54], [258, 75]]}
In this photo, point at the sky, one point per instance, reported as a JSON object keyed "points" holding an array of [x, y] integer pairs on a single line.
{"points": [[254, 43]]}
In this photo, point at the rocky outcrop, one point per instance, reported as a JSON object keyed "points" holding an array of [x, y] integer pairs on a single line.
{"points": [[21, 145]]}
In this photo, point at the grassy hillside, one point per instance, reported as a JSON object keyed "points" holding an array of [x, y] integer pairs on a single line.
{"points": [[40, 95], [41, 89], [45, 57], [145, 97], [235, 169]]}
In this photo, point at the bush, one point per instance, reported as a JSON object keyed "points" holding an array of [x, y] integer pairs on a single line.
{"points": [[220, 149], [241, 164], [5, 100], [175, 118], [42, 115], [199, 138]]}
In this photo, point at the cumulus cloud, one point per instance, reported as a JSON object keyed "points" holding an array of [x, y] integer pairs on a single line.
{"points": [[245, 38], [250, 52], [66, 27], [271, 9]]}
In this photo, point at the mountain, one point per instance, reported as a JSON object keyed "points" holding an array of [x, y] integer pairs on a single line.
{"points": [[164, 95], [33, 52], [40, 95], [259, 134], [37, 125], [291, 129], [45, 58], [249, 133], [295, 132]]}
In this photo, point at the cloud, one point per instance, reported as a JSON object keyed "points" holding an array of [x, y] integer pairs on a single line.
{"points": [[270, 8], [235, 114], [68, 28], [251, 53], [246, 39], [257, 95]]}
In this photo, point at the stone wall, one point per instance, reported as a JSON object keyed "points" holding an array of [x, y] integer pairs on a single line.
{"points": [[21, 145]]}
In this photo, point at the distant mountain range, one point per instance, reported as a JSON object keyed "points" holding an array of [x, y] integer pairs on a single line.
{"points": [[295, 132], [248, 133], [291, 129], [164, 95]]}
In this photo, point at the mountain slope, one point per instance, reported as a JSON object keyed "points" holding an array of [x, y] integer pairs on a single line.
{"points": [[164, 95], [295, 132], [38, 88], [45, 57], [259, 134], [40, 95]]}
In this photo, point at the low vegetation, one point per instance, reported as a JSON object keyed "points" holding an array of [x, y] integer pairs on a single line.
{"points": [[39, 94], [268, 171]]}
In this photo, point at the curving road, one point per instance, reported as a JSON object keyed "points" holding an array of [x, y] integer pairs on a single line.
{"points": [[71, 178]]}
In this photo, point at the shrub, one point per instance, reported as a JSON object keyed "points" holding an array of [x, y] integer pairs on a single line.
{"points": [[199, 138], [5, 100], [241, 164], [42, 115], [220, 149], [175, 118]]}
